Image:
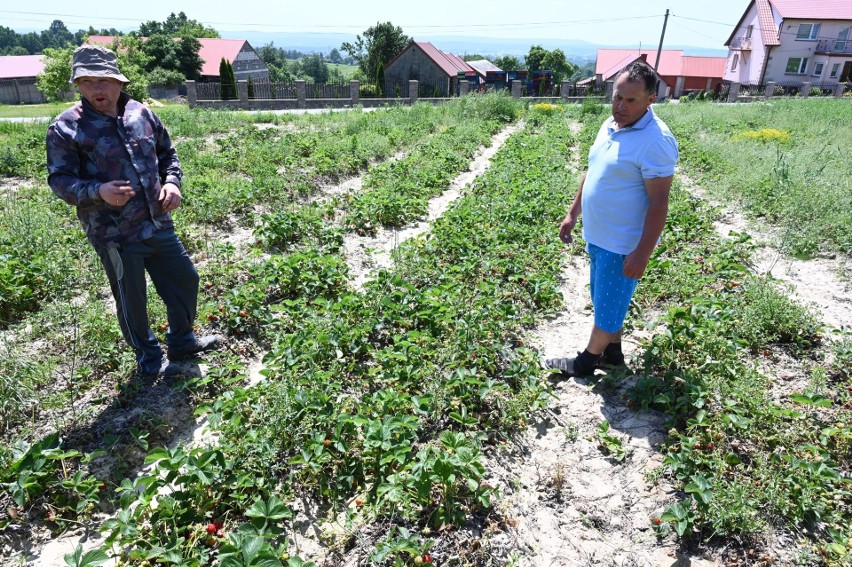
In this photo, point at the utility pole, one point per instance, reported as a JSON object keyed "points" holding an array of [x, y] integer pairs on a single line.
{"points": [[662, 35]]}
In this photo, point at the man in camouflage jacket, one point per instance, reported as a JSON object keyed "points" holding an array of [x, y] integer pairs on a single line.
{"points": [[111, 157]]}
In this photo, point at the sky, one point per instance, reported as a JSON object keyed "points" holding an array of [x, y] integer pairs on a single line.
{"points": [[698, 23]]}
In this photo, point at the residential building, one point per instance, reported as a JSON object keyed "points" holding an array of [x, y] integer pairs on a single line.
{"points": [[791, 42], [242, 56], [678, 73], [238, 52]]}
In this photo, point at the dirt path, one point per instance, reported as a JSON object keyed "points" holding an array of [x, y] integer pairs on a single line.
{"points": [[366, 254], [571, 503], [822, 284], [568, 501]]}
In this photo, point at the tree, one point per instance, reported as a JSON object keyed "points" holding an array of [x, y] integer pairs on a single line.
{"points": [[508, 63], [380, 79], [53, 81], [8, 39], [132, 61], [539, 58], [32, 43], [160, 76], [315, 67], [179, 56], [379, 45], [227, 79], [57, 36], [472, 57], [175, 26], [334, 57]]}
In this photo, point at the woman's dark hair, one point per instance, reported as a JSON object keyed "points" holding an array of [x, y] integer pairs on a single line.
{"points": [[640, 71]]}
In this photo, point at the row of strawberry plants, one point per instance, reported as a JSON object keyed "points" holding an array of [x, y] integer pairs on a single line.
{"points": [[273, 167], [359, 386], [396, 193]]}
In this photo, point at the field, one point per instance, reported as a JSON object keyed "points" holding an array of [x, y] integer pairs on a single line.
{"points": [[387, 283]]}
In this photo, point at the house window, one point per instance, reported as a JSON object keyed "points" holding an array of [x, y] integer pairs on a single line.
{"points": [[735, 61], [748, 31], [834, 69], [818, 69], [796, 65], [840, 44], [808, 31]]}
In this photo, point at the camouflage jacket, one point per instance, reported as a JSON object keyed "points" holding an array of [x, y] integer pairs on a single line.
{"points": [[86, 148]]}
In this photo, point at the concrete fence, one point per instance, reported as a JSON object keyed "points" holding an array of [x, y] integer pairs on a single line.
{"points": [[773, 89], [302, 101]]}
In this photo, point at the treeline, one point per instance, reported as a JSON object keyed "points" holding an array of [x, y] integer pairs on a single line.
{"points": [[57, 36], [286, 65]]}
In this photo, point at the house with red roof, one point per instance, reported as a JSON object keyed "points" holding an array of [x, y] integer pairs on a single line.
{"points": [[436, 70], [238, 52], [791, 42], [18, 79], [678, 72]]}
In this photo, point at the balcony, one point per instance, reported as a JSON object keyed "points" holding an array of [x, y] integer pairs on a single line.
{"points": [[834, 46], [741, 44]]}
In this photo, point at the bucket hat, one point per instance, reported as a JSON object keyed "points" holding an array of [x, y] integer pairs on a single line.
{"points": [[95, 61]]}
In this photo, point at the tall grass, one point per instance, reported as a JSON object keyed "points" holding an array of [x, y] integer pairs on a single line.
{"points": [[786, 161]]}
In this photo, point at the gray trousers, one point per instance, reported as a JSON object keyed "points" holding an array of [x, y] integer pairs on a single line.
{"points": [[176, 281]]}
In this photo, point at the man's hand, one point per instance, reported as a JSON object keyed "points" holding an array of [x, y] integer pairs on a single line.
{"points": [[170, 197], [116, 192], [566, 228], [635, 264]]}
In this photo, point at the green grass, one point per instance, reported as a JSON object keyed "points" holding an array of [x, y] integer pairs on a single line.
{"points": [[48, 110], [798, 180], [347, 71]]}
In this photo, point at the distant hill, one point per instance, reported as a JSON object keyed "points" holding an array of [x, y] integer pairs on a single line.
{"points": [[576, 51]]}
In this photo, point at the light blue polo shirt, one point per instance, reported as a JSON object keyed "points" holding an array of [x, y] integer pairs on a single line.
{"points": [[614, 197]]}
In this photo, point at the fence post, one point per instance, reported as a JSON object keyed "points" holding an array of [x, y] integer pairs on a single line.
{"points": [[300, 93], [413, 87], [464, 88], [565, 89], [610, 86], [355, 92], [242, 91], [733, 92], [769, 91], [838, 90], [516, 89], [191, 94], [805, 90]]}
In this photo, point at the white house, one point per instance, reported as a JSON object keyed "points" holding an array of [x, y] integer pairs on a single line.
{"points": [[791, 42]]}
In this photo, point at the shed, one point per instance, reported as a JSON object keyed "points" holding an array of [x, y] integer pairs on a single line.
{"points": [[18, 79], [436, 70]]}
